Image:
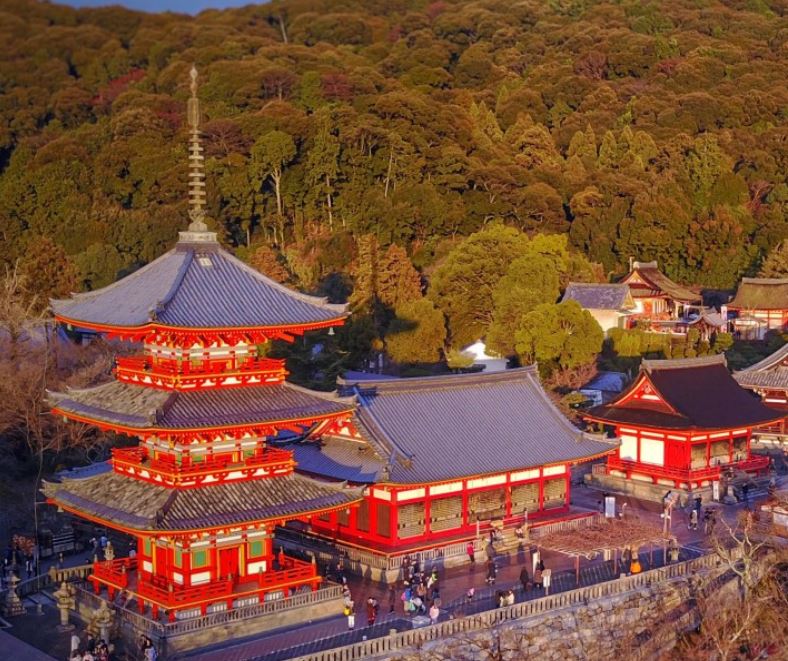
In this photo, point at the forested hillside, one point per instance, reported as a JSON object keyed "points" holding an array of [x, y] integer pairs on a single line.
{"points": [[336, 128]]}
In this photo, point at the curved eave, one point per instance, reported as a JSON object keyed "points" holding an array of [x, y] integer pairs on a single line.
{"points": [[186, 531], [679, 430], [153, 326], [136, 431]]}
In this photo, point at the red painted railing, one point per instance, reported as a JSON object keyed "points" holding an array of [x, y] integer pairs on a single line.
{"points": [[751, 465], [114, 572], [135, 460], [168, 373]]}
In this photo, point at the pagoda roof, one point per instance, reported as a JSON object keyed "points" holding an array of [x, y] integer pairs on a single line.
{"points": [[646, 275], [430, 429], [129, 406], [124, 502], [761, 294], [688, 393], [771, 372], [592, 296], [197, 285]]}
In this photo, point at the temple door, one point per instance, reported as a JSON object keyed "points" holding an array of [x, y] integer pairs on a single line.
{"points": [[228, 562], [162, 562]]}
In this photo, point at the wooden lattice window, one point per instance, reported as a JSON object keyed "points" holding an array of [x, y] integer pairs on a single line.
{"points": [[698, 455], [525, 497], [740, 447], [410, 520], [486, 505], [446, 513], [554, 492], [343, 517], [383, 511], [362, 516], [719, 451]]}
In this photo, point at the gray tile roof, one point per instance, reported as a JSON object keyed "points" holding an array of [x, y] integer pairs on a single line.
{"points": [[143, 407], [768, 373], [446, 427], [128, 502], [196, 286], [339, 459], [599, 297]]}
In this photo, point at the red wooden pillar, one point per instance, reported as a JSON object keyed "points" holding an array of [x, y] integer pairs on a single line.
{"points": [[393, 518], [466, 521], [541, 489], [708, 452], [568, 498], [427, 510], [372, 516], [730, 447]]}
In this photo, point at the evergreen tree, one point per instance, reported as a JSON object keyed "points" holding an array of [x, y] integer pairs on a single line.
{"points": [[417, 334]]}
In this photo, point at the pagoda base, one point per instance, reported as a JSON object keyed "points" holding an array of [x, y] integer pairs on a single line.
{"points": [[619, 485], [176, 638]]}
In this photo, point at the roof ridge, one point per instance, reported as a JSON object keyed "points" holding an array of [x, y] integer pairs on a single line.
{"points": [[449, 380], [74, 296], [332, 396], [616, 285], [765, 281], [648, 365], [161, 305], [766, 362]]}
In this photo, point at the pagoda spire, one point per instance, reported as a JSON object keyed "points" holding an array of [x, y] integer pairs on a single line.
{"points": [[196, 161]]}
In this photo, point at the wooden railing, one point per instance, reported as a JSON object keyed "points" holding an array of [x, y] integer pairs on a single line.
{"points": [[753, 464], [162, 471], [114, 572], [170, 373], [417, 637]]}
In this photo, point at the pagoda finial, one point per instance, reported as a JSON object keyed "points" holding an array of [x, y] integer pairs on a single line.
{"points": [[196, 161]]}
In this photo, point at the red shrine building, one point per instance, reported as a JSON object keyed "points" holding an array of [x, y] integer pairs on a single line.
{"points": [[760, 305], [681, 423], [769, 379], [445, 457], [203, 490], [657, 298]]}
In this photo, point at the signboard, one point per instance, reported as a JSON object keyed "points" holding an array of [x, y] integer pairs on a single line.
{"points": [[610, 507], [715, 490]]}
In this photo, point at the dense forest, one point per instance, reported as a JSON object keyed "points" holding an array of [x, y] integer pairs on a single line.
{"points": [[354, 146]]}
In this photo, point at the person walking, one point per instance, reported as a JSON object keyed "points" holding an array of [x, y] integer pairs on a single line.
{"points": [[471, 551], [351, 615], [370, 612], [538, 576], [392, 598], [524, 578], [74, 642], [434, 613], [491, 571]]}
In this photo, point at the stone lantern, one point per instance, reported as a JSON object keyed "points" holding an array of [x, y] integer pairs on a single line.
{"points": [[65, 601], [103, 618], [13, 604]]}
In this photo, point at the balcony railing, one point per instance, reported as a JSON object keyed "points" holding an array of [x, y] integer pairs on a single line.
{"points": [[751, 465], [120, 574], [136, 461], [187, 374]]}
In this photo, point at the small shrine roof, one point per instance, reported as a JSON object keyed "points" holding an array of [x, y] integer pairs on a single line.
{"points": [[139, 505], [689, 393], [593, 296], [761, 294], [132, 406], [339, 458], [197, 285], [659, 283], [771, 372], [445, 427]]}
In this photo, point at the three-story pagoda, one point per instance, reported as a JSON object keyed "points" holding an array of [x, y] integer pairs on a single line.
{"points": [[203, 490]]}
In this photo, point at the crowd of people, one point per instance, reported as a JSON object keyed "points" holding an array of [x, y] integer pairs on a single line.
{"points": [[91, 649]]}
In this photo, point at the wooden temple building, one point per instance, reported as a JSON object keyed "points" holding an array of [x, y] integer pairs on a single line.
{"points": [[443, 458], [657, 298], [760, 305], [769, 379], [681, 423], [203, 490], [610, 305]]}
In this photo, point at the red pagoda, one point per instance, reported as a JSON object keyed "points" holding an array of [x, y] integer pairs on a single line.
{"points": [[203, 490], [681, 423]]}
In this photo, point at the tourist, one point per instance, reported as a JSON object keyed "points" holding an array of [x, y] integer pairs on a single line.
{"points": [[371, 613], [418, 605], [132, 551], [626, 559], [519, 532], [745, 492], [351, 615], [92, 643], [74, 642], [524, 578], [509, 598], [434, 613], [500, 598], [635, 568], [489, 550], [392, 598], [536, 558], [341, 572], [538, 574], [693, 522], [491, 571], [471, 552], [76, 655], [469, 594]]}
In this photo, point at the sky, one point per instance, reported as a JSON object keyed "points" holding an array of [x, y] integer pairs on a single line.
{"points": [[182, 6]]}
